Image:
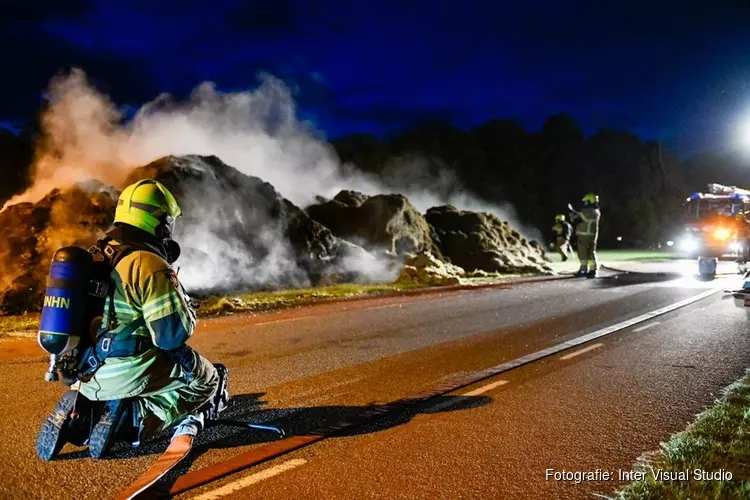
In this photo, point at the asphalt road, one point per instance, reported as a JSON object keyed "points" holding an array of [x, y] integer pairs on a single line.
{"points": [[616, 397]]}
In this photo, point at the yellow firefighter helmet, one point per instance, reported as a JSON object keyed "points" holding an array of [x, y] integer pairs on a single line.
{"points": [[149, 206], [591, 198]]}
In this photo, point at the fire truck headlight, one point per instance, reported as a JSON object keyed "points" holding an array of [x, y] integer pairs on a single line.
{"points": [[722, 234], [687, 243]]}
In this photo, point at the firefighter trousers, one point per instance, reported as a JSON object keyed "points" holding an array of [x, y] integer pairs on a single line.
{"points": [[587, 253], [562, 246], [166, 403]]}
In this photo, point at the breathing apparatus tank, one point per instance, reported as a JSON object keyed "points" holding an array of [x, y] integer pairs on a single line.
{"points": [[73, 305], [65, 300]]}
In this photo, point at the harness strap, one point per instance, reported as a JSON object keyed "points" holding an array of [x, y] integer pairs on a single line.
{"points": [[120, 344], [108, 342]]}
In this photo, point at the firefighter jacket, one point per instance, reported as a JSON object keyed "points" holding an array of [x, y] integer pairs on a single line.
{"points": [[562, 230], [148, 294], [588, 222]]}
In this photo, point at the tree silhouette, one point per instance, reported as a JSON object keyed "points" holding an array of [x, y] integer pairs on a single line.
{"points": [[540, 172]]}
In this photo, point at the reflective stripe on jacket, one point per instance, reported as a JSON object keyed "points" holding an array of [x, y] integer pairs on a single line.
{"points": [[588, 224]]}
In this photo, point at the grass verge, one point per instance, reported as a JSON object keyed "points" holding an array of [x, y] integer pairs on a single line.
{"points": [[24, 325], [718, 439]]}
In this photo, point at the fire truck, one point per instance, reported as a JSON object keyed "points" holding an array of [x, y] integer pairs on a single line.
{"points": [[716, 224]]}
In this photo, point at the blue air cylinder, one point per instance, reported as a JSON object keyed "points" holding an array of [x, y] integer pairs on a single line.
{"points": [[65, 300]]}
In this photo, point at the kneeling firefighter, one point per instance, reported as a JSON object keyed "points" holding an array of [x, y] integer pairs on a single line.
{"points": [[587, 234], [133, 375]]}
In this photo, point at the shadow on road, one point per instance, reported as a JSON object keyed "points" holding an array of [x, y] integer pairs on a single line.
{"points": [[294, 421]]}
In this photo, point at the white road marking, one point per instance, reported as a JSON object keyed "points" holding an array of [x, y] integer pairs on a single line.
{"points": [[564, 346], [581, 351], [485, 388], [535, 356], [250, 480], [645, 327], [465, 397]]}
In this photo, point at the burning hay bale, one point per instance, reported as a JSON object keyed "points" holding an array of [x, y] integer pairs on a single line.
{"points": [[481, 241], [386, 222], [34, 231]]}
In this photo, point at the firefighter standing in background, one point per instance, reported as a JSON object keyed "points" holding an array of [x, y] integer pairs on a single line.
{"points": [[587, 234], [563, 230]]}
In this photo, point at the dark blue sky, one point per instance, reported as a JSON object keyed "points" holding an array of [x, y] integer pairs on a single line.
{"points": [[675, 70]]}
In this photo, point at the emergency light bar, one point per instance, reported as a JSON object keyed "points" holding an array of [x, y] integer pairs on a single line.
{"points": [[714, 188]]}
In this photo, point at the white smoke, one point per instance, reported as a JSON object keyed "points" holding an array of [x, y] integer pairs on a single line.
{"points": [[429, 182], [255, 131]]}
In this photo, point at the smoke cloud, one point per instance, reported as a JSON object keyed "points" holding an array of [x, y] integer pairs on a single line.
{"points": [[257, 131]]}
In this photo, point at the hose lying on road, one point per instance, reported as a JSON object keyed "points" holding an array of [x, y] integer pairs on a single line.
{"points": [[623, 271], [660, 273]]}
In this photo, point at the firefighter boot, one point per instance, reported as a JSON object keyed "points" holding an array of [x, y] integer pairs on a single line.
{"points": [[190, 425], [115, 421], [220, 400], [70, 422]]}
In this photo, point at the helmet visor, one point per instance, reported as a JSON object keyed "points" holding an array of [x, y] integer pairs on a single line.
{"points": [[169, 225]]}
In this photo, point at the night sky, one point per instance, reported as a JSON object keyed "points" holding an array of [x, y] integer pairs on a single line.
{"points": [[671, 70]]}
